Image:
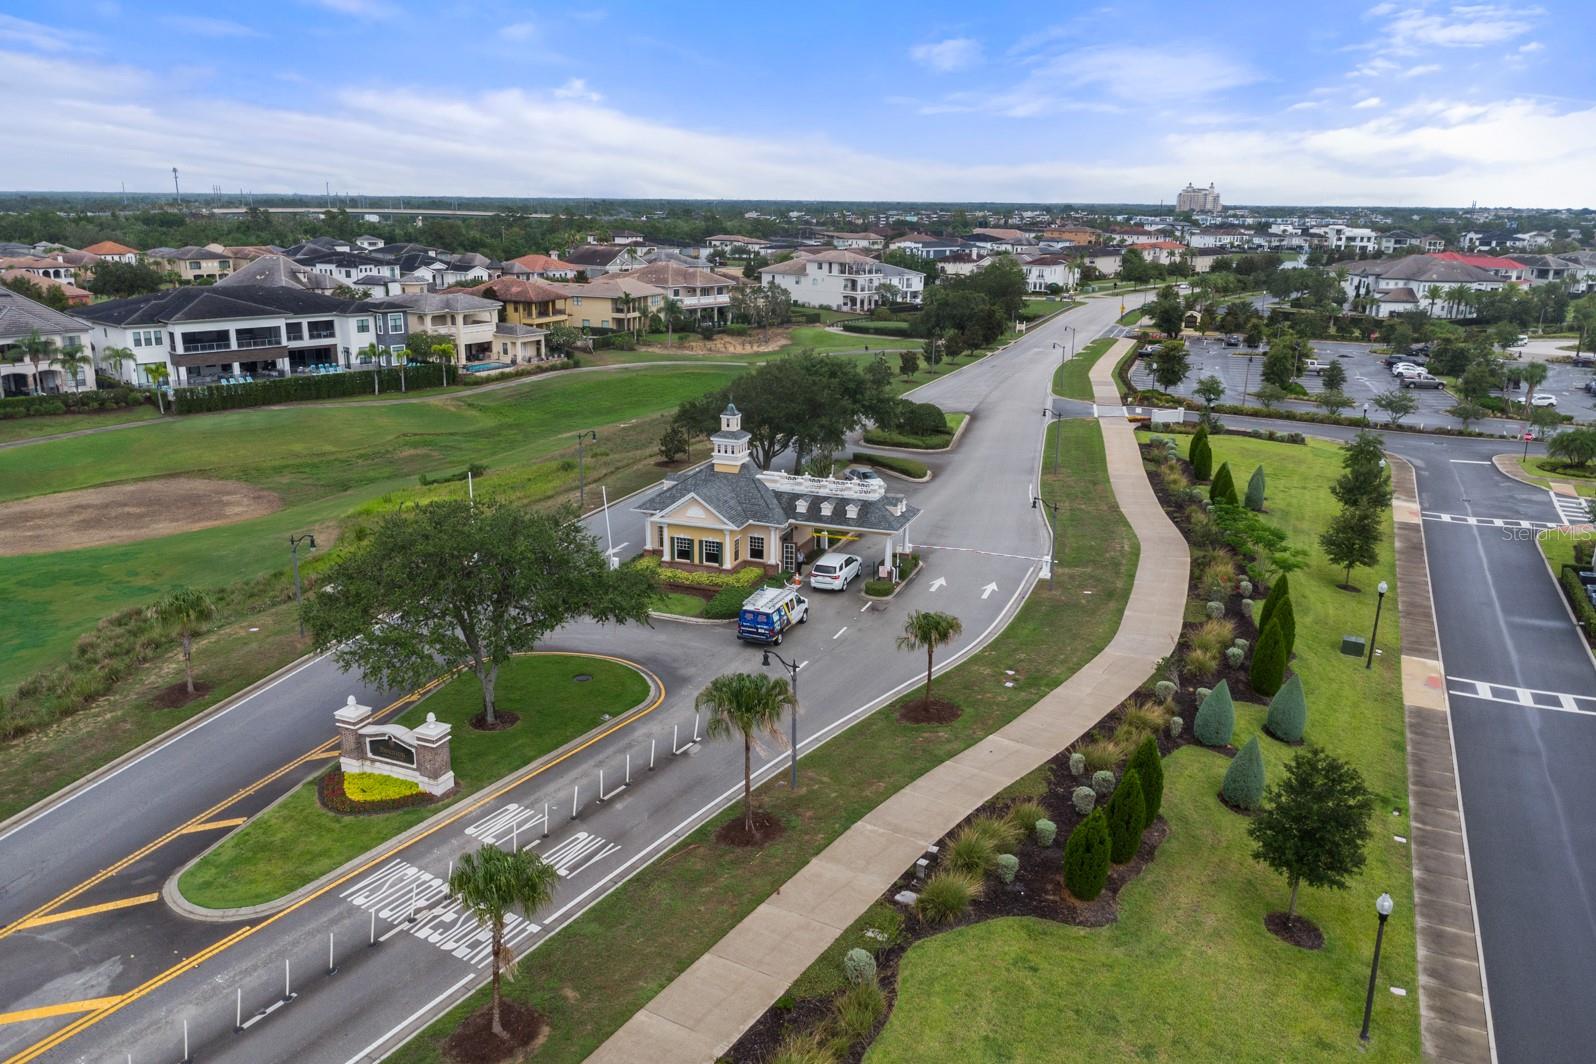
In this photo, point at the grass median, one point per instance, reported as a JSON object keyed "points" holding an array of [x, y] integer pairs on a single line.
{"points": [[1164, 981], [296, 841], [1073, 379], [592, 975]]}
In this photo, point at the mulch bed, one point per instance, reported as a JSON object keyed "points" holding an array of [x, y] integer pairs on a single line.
{"points": [[735, 832], [935, 711], [333, 798], [502, 720], [474, 1042], [177, 694], [1300, 932], [1238, 810]]}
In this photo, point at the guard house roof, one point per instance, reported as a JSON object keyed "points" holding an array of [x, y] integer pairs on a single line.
{"points": [[749, 497]]}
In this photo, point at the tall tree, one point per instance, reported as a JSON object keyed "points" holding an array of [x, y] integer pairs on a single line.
{"points": [[1397, 404], [1170, 364], [116, 359], [490, 884], [119, 280], [1353, 538], [456, 583], [927, 630], [1333, 377], [185, 611], [1314, 824], [1364, 480], [743, 703]]}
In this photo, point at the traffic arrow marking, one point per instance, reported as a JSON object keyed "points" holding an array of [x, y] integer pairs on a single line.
{"points": [[939, 582], [988, 589]]}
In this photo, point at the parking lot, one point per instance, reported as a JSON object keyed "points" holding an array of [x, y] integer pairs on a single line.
{"points": [[1239, 368]]}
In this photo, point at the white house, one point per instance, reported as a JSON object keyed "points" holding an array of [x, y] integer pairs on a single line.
{"points": [[1349, 237], [1386, 287], [869, 241], [704, 294], [910, 284], [21, 318], [1045, 271], [840, 280], [929, 247]]}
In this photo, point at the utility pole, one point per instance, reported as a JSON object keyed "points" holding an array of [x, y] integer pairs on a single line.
{"points": [[175, 188]]}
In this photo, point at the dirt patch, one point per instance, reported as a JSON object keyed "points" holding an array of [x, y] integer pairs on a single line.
{"points": [[735, 832], [174, 695], [934, 711], [474, 1042], [127, 513], [723, 344], [1300, 932], [502, 720]]}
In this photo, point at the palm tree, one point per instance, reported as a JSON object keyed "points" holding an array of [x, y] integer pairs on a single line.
{"points": [[745, 702], [115, 358], [489, 883], [927, 630], [671, 310], [71, 360], [35, 349], [1532, 374], [185, 610], [158, 373]]}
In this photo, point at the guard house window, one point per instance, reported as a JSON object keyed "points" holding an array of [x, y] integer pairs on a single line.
{"points": [[756, 548], [681, 548], [737, 549], [711, 549]]}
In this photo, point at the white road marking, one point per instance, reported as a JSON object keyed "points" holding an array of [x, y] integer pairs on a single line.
{"points": [[978, 550], [1487, 522], [939, 583], [866, 606], [1571, 508], [426, 1009], [841, 630], [987, 590], [1523, 697], [1469, 461]]}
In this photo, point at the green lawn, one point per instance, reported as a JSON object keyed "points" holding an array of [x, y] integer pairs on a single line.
{"points": [[324, 462], [681, 604], [1072, 379], [1173, 979], [1544, 470], [27, 428], [609, 962], [296, 841], [1132, 316]]}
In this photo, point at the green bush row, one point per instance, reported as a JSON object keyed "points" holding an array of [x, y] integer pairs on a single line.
{"points": [[875, 328], [476, 380], [904, 466], [207, 398], [1579, 602], [888, 438], [71, 402], [743, 579]]}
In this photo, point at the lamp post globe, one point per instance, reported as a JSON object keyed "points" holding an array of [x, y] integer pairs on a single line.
{"points": [[1382, 908]]}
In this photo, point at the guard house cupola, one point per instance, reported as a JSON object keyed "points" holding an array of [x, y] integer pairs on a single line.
{"points": [[730, 443]]}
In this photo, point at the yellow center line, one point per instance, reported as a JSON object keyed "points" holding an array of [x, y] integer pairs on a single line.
{"points": [[89, 910], [48, 1043], [215, 825], [65, 1008]]}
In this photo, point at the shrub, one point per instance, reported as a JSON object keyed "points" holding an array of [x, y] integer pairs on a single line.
{"points": [[1243, 786], [1216, 717], [1007, 866], [1003, 833], [726, 604], [1216, 573], [803, 1048], [1046, 832], [1223, 489], [970, 852], [1235, 656], [1200, 454], [1269, 661], [946, 896], [1103, 783], [859, 1008], [1100, 754], [1245, 588], [1215, 610], [1077, 764], [906, 467], [746, 578], [1255, 490], [1202, 663], [1176, 726], [1141, 719], [1288, 712], [1148, 765], [859, 966], [377, 787], [1212, 636], [1285, 616], [1247, 605], [1578, 600], [330, 793], [1084, 799], [1024, 815], [1241, 645], [1165, 690], [1279, 590], [1086, 857], [1126, 813]]}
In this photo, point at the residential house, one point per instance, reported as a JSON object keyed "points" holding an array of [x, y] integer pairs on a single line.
{"points": [[1012, 238], [1163, 252], [739, 246], [926, 246], [962, 263], [704, 294], [852, 241], [52, 269], [367, 242], [350, 267], [596, 260], [1128, 235], [112, 251], [540, 268], [840, 280], [1105, 260], [74, 295], [1391, 286], [204, 333], [1349, 238], [1218, 237], [1544, 269], [1495, 265], [20, 318], [908, 286], [728, 515], [1398, 239], [1044, 272], [279, 271], [612, 303], [469, 322], [193, 264], [1202, 259], [535, 303], [626, 237], [1073, 234]]}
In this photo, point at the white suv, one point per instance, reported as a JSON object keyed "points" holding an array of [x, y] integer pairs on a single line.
{"points": [[833, 572]]}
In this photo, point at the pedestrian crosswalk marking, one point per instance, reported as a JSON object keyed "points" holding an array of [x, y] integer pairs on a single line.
{"points": [[1523, 697], [1572, 509], [1486, 522]]}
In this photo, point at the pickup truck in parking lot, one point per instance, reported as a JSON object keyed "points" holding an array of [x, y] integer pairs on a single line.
{"points": [[1419, 379], [1313, 365]]}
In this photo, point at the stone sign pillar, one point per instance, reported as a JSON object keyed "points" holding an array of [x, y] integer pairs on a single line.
{"points": [[350, 718], [432, 756]]}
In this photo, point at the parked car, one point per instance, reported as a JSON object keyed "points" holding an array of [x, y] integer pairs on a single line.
{"points": [[834, 571], [1590, 386], [1419, 379], [1393, 361], [1312, 365], [863, 475], [1232, 340], [1402, 369], [769, 612], [1543, 399]]}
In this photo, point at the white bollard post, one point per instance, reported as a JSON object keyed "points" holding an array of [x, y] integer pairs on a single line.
{"points": [[695, 727], [574, 791], [332, 969], [450, 876], [545, 820], [628, 768], [186, 1057], [288, 992], [373, 941], [651, 744], [238, 1012], [676, 736], [601, 785]]}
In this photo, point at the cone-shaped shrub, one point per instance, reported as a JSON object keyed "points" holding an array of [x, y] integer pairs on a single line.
{"points": [[1125, 811], [1148, 764], [1200, 454], [1223, 489], [1086, 857], [1255, 490], [1269, 661], [1288, 712], [1280, 589], [1216, 717], [1244, 779], [1286, 617]]}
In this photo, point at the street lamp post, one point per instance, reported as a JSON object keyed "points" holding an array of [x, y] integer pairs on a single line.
{"points": [[308, 538], [1382, 907], [1382, 589], [792, 668], [1246, 379], [581, 467]]}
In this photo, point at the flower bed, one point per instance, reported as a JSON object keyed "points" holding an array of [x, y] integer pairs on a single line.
{"points": [[332, 793]]}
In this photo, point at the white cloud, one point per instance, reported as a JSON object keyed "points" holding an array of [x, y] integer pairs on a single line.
{"points": [[519, 31], [955, 53], [368, 9], [1531, 46], [576, 89], [1368, 103], [202, 26], [1422, 70], [1412, 28], [37, 36]]}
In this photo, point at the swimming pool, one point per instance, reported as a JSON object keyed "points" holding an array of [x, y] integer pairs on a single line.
{"points": [[484, 367]]}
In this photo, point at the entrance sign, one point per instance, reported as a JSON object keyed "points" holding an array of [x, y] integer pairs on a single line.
{"points": [[420, 756]]}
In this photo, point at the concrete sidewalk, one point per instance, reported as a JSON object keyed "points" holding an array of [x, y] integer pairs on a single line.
{"points": [[699, 1015]]}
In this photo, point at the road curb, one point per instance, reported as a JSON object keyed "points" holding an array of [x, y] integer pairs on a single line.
{"points": [[122, 760], [677, 618], [173, 897], [905, 582], [958, 434]]}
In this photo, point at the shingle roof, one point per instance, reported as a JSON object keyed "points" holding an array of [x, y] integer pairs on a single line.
{"points": [[434, 302], [739, 498], [276, 271], [595, 254], [791, 266], [20, 316], [1399, 295], [212, 302]]}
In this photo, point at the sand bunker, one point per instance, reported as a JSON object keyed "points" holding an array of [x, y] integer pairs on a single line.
{"points": [[126, 513]]}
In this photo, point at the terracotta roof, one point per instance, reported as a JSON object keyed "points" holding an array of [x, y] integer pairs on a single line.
{"points": [[71, 291], [1482, 262], [514, 290], [110, 247], [609, 286], [668, 274]]}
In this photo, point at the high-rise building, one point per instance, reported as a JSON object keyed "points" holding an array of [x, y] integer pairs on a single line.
{"points": [[1192, 198]]}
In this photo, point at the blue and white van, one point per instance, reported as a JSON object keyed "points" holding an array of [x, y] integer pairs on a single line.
{"points": [[769, 612]]}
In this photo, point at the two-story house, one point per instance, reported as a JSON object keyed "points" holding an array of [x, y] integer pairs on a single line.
{"points": [[113, 252], [193, 264], [22, 318], [523, 302], [1045, 273], [704, 294], [839, 280], [467, 321], [596, 260], [613, 303], [539, 268], [929, 247]]}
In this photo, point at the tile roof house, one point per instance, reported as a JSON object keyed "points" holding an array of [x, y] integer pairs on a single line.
{"points": [[279, 271], [703, 293], [110, 249], [524, 302], [616, 302], [728, 515], [21, 317], [75, 296], [540, 267]]}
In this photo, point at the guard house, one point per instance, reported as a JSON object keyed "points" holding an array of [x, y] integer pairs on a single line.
{"points": [[728, 515]]}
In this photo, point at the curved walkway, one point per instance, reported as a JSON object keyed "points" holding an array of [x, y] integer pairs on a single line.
{"points": [[699, 1015]]}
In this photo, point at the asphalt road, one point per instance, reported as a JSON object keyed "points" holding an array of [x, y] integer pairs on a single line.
{"points": [[126, 978]]}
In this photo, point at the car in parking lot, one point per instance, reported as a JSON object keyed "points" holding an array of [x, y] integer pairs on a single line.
{"points": [[1419, 379], [864, 476], [1543, 399], [1232, 340], [834, 571], [1403, 369]]}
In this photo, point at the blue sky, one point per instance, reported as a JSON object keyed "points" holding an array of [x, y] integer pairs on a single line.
{"points": [[1385, 103]]}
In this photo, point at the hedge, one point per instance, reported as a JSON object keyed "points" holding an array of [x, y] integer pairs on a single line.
{"points": [[743, 579], [904, 466], [875, 328], [377, 787], [1579, 602], [207, 398], [889, 438], [72, 402]]}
